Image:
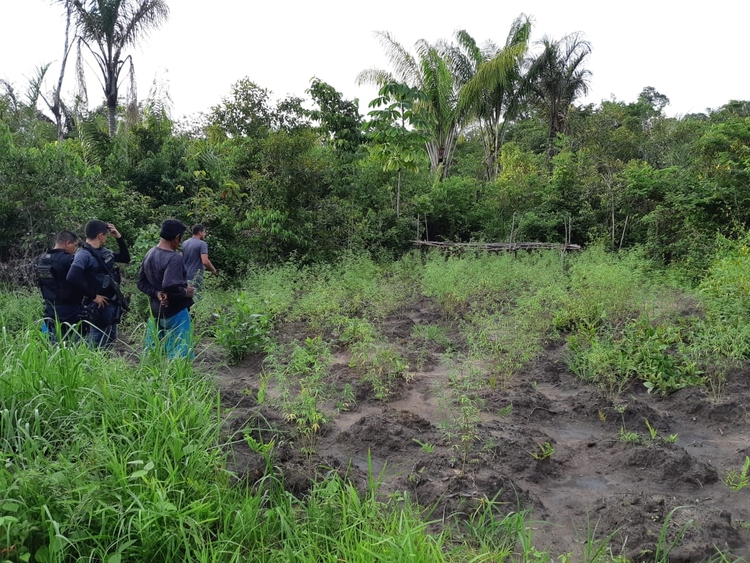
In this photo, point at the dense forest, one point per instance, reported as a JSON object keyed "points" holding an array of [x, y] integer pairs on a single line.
{"points": [[466, 141]]}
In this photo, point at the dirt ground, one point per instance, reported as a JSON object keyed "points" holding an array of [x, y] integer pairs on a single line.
{"points": [[594, 484]]}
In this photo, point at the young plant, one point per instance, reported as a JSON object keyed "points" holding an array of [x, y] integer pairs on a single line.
{"points": [[651, 430], [653, 435], [629, 437], [738, 480], [383, 366], [241, 330], [505, 411], [428, 448], [545, 452], [462, 406]]}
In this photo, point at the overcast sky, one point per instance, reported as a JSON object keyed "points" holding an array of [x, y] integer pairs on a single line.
{"points": [[694, 53]]}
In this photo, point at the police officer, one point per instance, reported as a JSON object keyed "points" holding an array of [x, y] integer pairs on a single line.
{"points": [[62, 303], [94, 273]]}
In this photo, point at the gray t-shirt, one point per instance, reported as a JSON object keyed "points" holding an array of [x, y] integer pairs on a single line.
{"points": [[163, 270], [192, 249]]}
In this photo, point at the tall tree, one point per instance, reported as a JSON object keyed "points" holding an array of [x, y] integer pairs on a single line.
{"points": [[107, 28], [338, 119], [395, 144], [491, 81], [437, 115], [558, 77]]}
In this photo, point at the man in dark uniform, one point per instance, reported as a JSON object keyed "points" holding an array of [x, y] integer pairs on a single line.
{"points": [[94, 273], [62, 303]]}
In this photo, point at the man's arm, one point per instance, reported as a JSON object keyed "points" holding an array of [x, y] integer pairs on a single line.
{"points": [[77, 280], [145, 286], [175, 280], [207, 263], [123, 254]]}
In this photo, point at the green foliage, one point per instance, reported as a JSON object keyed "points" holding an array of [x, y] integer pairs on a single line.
{"points": [[240, 330], [245, 112], [644, 350], [545, 452], [461, 406], [738, 480], [20, 310], [44, 191], [604, 288], [339, 119], [382, 365], [302, 377]]}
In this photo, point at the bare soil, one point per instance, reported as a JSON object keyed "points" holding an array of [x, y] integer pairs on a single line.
{"points": [[594, 484]]}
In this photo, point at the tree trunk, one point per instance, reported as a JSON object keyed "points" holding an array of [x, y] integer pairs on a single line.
{"points": [[398, 195]]}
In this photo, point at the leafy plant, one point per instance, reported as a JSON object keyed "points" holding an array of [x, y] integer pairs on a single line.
{"points": [[461, 426], [738, 480], [545, 452], [383, 366], [240, 330], [428, 448], [629, 437]]}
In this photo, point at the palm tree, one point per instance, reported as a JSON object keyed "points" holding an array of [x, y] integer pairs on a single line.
{"points": [[491, 82], [557, 78], [107, 28], [436, 115]]}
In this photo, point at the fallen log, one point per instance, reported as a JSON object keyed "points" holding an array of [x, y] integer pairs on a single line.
{"points": [[498, 246]]}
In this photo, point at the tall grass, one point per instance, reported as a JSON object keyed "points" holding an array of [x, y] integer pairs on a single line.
{"points": [[102, 460]]}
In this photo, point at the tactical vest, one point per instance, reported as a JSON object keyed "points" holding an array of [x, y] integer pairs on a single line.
{"points": [[51, 270], [106, 270]]}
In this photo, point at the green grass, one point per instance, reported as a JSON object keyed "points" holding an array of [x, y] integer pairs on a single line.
{"points": [[105, 460]]}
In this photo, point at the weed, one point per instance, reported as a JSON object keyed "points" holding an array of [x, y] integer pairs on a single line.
{"points": [[303, 386], [663, 546], [241, 330], [383, 366], [505, 411], [461, 426], [428, 448], [432, 333], [653, 435], [629, 437], [651, 430], [738, 480], [545, 451]]}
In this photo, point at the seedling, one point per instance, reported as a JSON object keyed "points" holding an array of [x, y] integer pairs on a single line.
{"points": [[429, 448], [505, 411], [653, 434], [629, 437], [545, 451], [738, 480]]}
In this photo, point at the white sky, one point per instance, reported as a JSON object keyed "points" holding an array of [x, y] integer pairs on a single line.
{"points": [[694, 53]]}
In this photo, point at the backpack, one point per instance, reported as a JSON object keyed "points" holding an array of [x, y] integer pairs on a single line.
{"points": [[51, 270]]}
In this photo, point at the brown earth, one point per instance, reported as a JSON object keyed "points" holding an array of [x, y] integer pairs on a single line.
{"points": [[594, 484]]}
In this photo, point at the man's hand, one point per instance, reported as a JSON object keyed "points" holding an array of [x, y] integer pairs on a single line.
{"points": [[113, 230], [189, 291], [163, 298], [101, 301]]}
